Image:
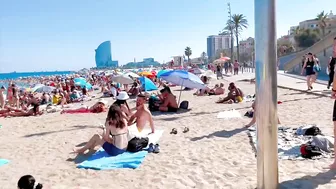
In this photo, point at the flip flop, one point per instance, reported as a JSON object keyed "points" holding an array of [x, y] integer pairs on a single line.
{"points": [[156, 149], [185, 130], [151, 148], [173, 131]]}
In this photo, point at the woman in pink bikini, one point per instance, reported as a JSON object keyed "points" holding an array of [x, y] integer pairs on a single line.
{"points": [[98, 107]]}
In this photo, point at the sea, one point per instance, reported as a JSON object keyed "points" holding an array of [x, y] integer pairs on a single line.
{"points": [[17, 75]]}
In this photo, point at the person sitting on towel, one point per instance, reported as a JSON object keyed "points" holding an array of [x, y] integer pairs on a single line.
{"points": [[234, 95], [142, 115], [218, 90], [114, 139], [254, 118], [168, 100]]}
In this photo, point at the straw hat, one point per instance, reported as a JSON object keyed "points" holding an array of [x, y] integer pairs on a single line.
{"points": [[122, 96], [102, 101]]}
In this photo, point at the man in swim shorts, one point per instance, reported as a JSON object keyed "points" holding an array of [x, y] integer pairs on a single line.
{"points": [[142, 115], [168, 100]]}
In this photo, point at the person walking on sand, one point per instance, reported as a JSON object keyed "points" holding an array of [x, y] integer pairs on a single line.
{"points": [[310, 73], [331, 66], [333, 95], [236, 67], [142, 115]]}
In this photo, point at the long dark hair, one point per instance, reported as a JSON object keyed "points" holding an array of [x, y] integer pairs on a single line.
{"points": [[28, 182], [120, 102], [116, 114]]}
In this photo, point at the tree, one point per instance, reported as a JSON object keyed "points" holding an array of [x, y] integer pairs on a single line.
{"points": [[322, 17], [204, 58], [239, 22], [306, 38], [188, 53], [284, 46]]}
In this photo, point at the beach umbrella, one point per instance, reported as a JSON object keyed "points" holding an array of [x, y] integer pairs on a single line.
{"points": [[80, 80], [147, 74], [209, 73], [122, 79], [161, 72], [132, 74], [221, 60], [197, 71], [147, 84], [183, 79], [44, 89]]}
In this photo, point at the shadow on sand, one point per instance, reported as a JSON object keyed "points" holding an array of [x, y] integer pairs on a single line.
{"points": [[76, 127], [223, 134], [309, 182], [81, 157]]}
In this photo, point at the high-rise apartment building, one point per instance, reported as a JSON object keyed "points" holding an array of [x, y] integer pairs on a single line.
{"points": [[216, 43]]}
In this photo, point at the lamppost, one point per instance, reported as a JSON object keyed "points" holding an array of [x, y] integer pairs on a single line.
{"points": [[266, 90], [231, 29]]}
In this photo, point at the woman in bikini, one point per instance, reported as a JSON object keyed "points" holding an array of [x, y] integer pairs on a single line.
{"points": [[99, 107], [114, 139]]}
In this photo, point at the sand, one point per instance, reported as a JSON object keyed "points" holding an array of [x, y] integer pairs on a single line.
{"points": [[215, 153]]}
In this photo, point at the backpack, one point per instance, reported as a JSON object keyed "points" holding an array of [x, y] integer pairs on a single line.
{"points": [[184, 105], [152, 104], [137, 144], [313, 131], [309, 151]]}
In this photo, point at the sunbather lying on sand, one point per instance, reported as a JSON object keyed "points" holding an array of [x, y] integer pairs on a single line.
{"points": [[23, 113], [114, 139], [218, 90], [98, 107], [254, 118], [142, 115], [234, 95]]}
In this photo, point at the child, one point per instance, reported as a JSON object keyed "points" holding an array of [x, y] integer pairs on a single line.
{"points": [[28, 182]]}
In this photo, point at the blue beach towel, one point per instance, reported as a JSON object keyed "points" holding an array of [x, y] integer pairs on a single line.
{"points": [[102, 161], [3, 162]]}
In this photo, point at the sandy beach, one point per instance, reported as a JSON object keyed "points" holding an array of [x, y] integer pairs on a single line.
{"points": [[215, 153]]}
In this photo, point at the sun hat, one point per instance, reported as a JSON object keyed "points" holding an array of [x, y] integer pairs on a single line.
{"points": [[122, 96], [102, 101]]}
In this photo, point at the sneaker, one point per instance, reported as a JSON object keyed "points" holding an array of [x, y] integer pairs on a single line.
{"points": [[156, 149], [151, 148]]}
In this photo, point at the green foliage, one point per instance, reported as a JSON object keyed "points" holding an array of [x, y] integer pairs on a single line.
{"points": [[306, 38], [188, 52]]}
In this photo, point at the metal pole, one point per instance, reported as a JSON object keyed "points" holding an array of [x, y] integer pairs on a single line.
{"points": [[266, 89]]}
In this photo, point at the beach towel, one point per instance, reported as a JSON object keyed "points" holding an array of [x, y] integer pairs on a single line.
{"points": [[229, 114], [102, 161], [289, 143], [3, 162]]}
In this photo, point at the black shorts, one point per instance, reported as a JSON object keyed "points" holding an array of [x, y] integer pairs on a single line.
{"points": [[171, 109], [334, 111]]}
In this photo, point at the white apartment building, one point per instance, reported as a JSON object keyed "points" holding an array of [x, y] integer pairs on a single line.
{"points": [[216, 43], [246, 46]]}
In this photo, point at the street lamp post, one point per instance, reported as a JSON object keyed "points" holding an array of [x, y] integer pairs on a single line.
{"points": [[266, 90]]}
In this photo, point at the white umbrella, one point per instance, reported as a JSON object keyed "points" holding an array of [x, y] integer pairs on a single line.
{"points": [[122, 79], [198, 71], [131, 74], [43, 89], [209, 73]]}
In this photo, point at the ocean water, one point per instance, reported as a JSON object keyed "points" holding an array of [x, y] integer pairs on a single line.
{"points": [[16, 75]]}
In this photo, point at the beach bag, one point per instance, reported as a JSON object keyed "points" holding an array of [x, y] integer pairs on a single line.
{"points": [[152, 104], [137, 144], [309, 151], [313, 131], [184, 105]]}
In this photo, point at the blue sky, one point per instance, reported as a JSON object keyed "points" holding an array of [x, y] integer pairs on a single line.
{"points": [[41, 35]]}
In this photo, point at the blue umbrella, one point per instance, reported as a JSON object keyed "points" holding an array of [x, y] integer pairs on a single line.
{"points": [[158, 75], [147, 84], [183, 79]]}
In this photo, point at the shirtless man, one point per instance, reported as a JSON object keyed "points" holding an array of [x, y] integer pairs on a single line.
{"points": [[233, 95], [217, 90], [333, 95], [169, 103], [142, 115]]}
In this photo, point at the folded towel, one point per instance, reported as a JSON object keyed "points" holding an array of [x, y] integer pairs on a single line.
{"points": [[229, 114], [3, 162]]}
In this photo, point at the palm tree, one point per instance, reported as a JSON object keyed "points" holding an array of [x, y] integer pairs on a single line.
{"points": [[228, 30], [204, 57], [322, 17], [188, 53], [239, 22]]}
